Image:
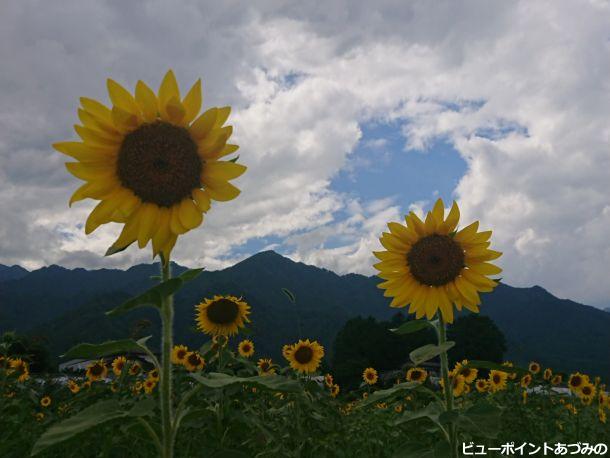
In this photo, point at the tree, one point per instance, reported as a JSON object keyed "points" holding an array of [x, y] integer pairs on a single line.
{"points": [[476, 337], [30, 349]]}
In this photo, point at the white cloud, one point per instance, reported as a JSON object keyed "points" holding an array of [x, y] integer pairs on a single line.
{"points": [[302, 83]]}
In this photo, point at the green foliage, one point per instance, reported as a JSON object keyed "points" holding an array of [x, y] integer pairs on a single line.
{"points": [[478, 337]]}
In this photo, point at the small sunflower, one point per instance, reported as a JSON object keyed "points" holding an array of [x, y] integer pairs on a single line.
{"points": [[151, 162], [286, 350], [524, 396], [398, 408], [602, 415], [468, 373], [334, 390], [481, 385], [458, 384], [97, 371], [587, 393], [534, 367], [497, 380], [365, 395], [118, 364], [417, 374], [370, 376], [246, 348], [305, 356], [222, 315], [179, 353], [265, 366], [511, 375], [137, 387], [39, 416], [135, 368], [45, 401], [547, 374], [577, 381], [556, 380], [149, 385], [328, 380], [73, 386], [154, 375], [431, 266], [194, 362], [526, 380], [20, 367]]}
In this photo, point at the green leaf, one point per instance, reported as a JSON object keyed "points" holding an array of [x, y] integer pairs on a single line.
{"points": [[87, 418], [384, 395], [432, 411], [234, 159], [481, 419], [269, 382], [112, 347], [153, 296], [427, 352], [291, 297], [412, 326]]}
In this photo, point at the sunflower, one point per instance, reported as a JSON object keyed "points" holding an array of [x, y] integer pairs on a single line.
{"points": [[328, 380], [587, 393], [73, 386], [524, 396], [547, 374], [39, 416], [305, 356], [222, 315], [334, 390], [151, 162], [265, 366], [135, 368], [511, 375], [286, 350], [458, 385], [468, 373], [194, 362], [602, 415], [149, 385], [97, 371], [556, 380], [118, 364], [481, 385], [577, 381], [365, 395], [497, 380], [137, 387], [154, 375], [534, 367], [431, 266], [45, 401], [398, 408], [526, 380], [20, 367], [246, 348], [370, 376], [179, 352], [417, 374]]}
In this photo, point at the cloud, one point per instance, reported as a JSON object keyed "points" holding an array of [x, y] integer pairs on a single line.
{"points": [[520, 89]]}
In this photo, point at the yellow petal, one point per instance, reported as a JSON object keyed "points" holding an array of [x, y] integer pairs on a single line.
{"points": [[430, 224], [147, 100], [94, 190], [101, 214], [96, 137], [452, 220], [128, 235], [162, 232], [221, 192], [445, 307], [438, 212], [124, 120], [402, 232], [192, 102], [175, 110], [168, 246], [203, 124], [415, 224], [190, 216], [394, 243], [222, 116], [168, 89], [388, 255], [120, 97], [174, 223], [223, 170], [87, 172], [485, 268], [468, 233], [86, 153], [97, 109], [92, 122], [226, 150], [202, 199], [148, 216], [431, 303], [466, 290]]}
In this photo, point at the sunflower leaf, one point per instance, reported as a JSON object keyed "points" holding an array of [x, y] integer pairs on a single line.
{"points": [[412, 326], [395, 391], [112, 347], [427, 352], [269, 382], [289, 294], [481, 419]]}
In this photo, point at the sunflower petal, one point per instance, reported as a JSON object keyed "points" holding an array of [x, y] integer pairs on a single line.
{"points": [[190, 216], [147, 100], [120, 97], [86, 153], [174, 223], [452, 220], [221, 192], [168, 89], [175, 110], [485, 268], [222, 116], [415, 224], [97, 109], [124, 120], [203, 125], [192, 102], [226, 150], [468, 233], [222, 170], [438, 212], [87, 172], [202, 199], [148, 217], [97, 138]]}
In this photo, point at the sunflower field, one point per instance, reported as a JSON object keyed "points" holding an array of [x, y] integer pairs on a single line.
{"points": [[157, 166]]}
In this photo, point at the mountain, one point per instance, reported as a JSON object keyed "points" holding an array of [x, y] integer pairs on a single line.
{"points": [[65, 307], [12, 272]]}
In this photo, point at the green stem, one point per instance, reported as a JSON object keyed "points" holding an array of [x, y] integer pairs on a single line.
{"points": [[151, 432], [442, 338], [167, 320]]}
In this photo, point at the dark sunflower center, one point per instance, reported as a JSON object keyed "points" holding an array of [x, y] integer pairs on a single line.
{"points": [[466, 372], [303, 355], [370, 376], [576, 381], [415, 375], [264, 366], [159, 163], [586, 391], [435, 260], [223, 311], [96, 370], [496, 379], [246, 348], [181, 354], [193, 360]]}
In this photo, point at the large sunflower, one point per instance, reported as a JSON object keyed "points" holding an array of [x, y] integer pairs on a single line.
{"points": [[222, 315], [305, 356], [417, 374], [431, 266], [497, 380], [152, 162]]}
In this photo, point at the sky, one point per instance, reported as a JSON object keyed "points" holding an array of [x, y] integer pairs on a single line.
{"points": [[349, 114]]}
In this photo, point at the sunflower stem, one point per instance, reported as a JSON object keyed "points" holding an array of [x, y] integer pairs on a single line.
{"points": [[167, 319], [442, 338]]}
